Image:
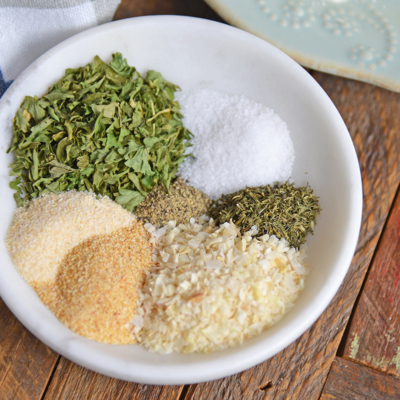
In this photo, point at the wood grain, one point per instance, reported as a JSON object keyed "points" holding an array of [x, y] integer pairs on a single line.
{"points": [[374, 335], [348, 380], [70, 381], [299, 372], [25, 363], [192, 8]]}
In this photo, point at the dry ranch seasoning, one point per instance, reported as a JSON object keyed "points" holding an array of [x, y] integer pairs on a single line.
{"points": [[180, 204], [183, 282]]}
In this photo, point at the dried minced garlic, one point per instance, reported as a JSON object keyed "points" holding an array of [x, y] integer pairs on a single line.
{"points": [[212, 288]]}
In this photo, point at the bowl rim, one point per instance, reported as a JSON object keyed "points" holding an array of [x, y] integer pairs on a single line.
{"points": [[225, 366]]}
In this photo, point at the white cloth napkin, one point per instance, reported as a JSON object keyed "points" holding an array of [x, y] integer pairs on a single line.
{"points": [[28, 28]]}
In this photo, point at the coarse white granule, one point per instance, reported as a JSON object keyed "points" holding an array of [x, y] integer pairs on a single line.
{"points": [[237, 143], [45, 230], [211, 288]]}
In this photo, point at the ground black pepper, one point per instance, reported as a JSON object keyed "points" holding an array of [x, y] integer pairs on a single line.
{"points": [[182, 203]]}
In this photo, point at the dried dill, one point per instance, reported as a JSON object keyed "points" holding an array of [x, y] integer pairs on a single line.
{"points": [[180, 204], [282, 210]]}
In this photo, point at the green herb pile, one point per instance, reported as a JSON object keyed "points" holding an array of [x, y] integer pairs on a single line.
{"points": [[281, 210], [102, 128]]}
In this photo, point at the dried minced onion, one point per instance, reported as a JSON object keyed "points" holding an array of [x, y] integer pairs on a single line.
{"points": [[212, 288]]}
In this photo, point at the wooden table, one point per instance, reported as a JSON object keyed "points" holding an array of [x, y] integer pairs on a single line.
{"points": [[352, 352]]}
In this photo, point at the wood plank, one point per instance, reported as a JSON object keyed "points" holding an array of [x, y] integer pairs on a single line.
{"points": [[299, 372], [349, 380], [70, 381], [26, 363], [192, 8], [374, 335]]}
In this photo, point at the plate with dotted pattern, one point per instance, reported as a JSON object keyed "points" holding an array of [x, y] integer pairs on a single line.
{"points": [[356, 39]]}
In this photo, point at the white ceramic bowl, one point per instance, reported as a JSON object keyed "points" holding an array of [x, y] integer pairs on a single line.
{"points": [[195, 53]]}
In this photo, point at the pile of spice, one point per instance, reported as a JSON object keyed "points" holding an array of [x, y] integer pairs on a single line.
{"points": [[101, 127], [237, 143], [183, 282], [212, 288], [46, 229], [180, 204], [85, 256], [286, 211], [96, 290]]}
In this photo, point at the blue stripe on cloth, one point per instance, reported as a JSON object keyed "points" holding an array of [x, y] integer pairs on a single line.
{"points": [[3, 84]]}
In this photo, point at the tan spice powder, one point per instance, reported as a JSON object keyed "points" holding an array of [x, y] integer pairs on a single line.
{"points": [[96, 289], [45, 230], [182, 203]]}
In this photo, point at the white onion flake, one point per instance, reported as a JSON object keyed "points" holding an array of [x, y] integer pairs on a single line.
{"points": [[215, 289]]}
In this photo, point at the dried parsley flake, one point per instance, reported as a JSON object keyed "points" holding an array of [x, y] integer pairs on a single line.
{"points": [[102, 127]]}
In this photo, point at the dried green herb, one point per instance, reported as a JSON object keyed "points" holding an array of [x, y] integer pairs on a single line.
{"points": [[102, 128], [282, 210], [180, 204]]}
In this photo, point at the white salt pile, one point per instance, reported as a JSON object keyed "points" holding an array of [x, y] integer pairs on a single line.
{"points": [[237, 143]]}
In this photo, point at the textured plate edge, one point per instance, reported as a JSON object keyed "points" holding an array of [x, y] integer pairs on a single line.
{"points": [[319, 64]]}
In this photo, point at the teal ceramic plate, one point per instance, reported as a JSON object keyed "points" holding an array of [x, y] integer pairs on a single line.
{"points": [[352, 38]]}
